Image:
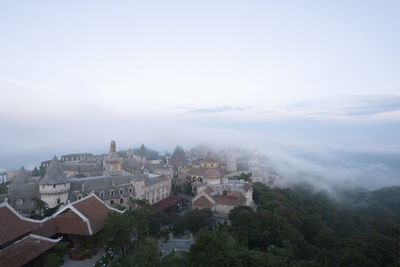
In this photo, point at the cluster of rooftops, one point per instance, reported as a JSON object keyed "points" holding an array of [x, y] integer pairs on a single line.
{"points": [[23, 239]]}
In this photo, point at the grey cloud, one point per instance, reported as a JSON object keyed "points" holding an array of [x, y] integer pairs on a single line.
{"points": [[374, 104], [216, 109]]}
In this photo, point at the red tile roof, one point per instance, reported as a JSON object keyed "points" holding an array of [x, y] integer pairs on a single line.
{"points": [[68, 222], [247, 186], [48, 228], [166, 203], [83, 217], [230, 200], [25, 250], [13, 225], [202, 202], [95, 210]]}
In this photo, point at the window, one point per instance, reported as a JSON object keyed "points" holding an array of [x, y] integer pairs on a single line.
{"points": [[20, 202], [121, 201], [79, 197], [121, 192], [101, 195], [112, 193], [130, 190], [58, 201], [112, 202], [54, 186]]}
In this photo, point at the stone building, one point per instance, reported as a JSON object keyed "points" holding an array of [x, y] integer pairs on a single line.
{"points": [[112, 162], [209, 163], [83, 168], [180, 173], [76, 157], [21, 191], [112, 188], [120, 189], [222, 197], [207, 175], [54, 187]]}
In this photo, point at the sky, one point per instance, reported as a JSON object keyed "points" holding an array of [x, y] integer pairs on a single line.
{"points": [[313, 74]]}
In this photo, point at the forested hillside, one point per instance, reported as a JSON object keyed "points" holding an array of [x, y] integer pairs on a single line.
{"points": [[288, 227]]}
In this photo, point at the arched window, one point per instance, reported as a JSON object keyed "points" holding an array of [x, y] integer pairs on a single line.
{"points": [[58, 201], [112, 202], [121, 200]]}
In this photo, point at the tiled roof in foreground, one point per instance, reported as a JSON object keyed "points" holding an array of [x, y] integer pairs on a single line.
{"points": [[25, 250], [13, 225]]}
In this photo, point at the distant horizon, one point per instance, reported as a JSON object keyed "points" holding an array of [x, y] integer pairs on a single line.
{"points": [[307, 82]]}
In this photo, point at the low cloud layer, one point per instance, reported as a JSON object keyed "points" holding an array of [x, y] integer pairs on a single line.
{"points": [[322, 154]]}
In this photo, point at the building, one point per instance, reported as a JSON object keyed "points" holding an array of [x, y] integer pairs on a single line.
{"points": [[180, 173], [3, 177], [207, 175], [76, 157], [112, 162], [221, 194], [120, 189], [23, 240], [55, 188], [21, 192], [209, 163]]}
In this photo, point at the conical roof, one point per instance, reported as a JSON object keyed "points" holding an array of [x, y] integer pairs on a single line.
{"points": [[179, 154], [22, 176], [54, 174]]}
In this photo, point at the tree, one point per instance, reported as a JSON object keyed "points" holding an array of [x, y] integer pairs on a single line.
{"points": [[214, 249], [144, 254], [119, 233], [245, 176], [42, 171], [196, 219], [126, 236], [245, 225], [43, 207], [35, 172]]}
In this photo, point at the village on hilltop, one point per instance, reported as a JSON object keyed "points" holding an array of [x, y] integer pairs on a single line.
{"points": [[83, 188]]}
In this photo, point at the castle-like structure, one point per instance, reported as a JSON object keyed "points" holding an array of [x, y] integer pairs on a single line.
{"points": [[113, 187], [54, 187]]}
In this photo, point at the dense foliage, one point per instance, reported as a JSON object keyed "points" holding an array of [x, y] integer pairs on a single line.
{"points": [[288, 227]]}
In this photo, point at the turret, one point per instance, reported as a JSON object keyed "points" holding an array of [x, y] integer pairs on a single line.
{"points": [[54, 187]]}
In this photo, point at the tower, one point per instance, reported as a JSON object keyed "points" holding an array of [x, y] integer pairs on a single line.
{"points": [[112, 162], [54, 187]]}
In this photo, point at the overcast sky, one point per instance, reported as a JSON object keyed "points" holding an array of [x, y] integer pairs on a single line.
{"points": [[76, 74]]}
